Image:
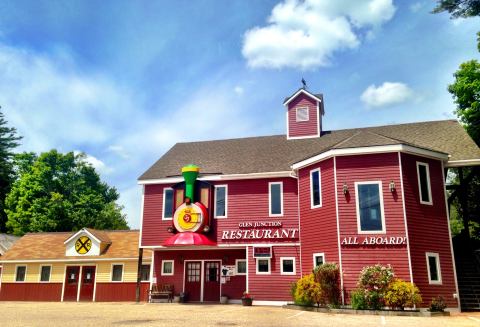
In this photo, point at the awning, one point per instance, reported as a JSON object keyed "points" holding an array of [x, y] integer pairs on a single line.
{"points": [[189, 238]]}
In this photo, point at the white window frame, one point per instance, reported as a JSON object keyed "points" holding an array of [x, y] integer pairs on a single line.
{"points": [[16, 273], [164, 198], [162, 273], [282, 259], [318, 254], [215, 201], [439, 272], [263, 272], [429, 183], [40, 274], [313, 206], [111, 272], [382, 210], [236, 267], [270, 214], [296, 114]]}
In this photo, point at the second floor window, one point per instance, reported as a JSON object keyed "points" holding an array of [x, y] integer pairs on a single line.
{"points": [[221, 201], [370, 207], [167, 203], [316, 188], [424, 189], [276, 198]]}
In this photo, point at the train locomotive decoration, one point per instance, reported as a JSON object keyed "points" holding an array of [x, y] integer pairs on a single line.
{"points": [[191, 218]]}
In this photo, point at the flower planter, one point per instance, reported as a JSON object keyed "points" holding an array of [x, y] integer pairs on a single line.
{"points": [[223, 299], [247, 301]]}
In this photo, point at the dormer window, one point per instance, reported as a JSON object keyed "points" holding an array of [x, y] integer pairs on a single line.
{"points": [[302, 114]]}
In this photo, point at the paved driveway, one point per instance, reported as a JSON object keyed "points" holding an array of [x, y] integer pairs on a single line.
{"points": [[190, 315]]}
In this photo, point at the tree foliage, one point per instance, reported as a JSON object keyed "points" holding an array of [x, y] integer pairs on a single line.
{"points": [[60, 192], [458, 8], [8, 141]]}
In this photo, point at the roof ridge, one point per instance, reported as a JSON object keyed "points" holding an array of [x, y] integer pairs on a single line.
{"points": [[345, 140]]}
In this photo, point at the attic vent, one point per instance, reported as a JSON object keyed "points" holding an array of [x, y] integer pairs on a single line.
{"points": [[302, 114]]}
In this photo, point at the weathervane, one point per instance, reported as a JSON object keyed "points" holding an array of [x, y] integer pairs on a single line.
{"points": [[304, 83]]}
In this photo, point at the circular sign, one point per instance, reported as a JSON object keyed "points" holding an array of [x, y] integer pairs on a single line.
{"points": [[190, 217], [83, 245]]}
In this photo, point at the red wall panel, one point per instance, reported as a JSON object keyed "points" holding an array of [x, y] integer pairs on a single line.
{"points": [[117, 292], [31, 292], [428, 230], [303, 128]]}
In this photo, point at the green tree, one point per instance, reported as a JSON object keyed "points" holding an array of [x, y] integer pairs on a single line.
{"points": [[8, 141], [60, 192], [458, 8]]}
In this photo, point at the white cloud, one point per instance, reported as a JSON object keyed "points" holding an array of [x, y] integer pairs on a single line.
{"points": [[238, 90], [387, 94], [119, 151], [305, 34], [415, 7]]}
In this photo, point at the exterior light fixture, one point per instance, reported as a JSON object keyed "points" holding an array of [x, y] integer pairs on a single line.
{"points": [[392, 186], [170, 229], [345, 188]]}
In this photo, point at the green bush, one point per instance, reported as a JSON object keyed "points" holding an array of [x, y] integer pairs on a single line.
{"points": [[373, 282], [307, 291], [328, 276], [401, 294], [437, 304], [297, 301], [357, 299]]}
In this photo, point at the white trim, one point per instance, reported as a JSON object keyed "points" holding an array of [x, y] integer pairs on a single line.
{"points": [[450, 238], [84, 230], [40, 274], [95, 284], [294, 266], [288, 125], [63, 283], [111, 272], [462, 163], [215, 201], [67, 260], [338, 229], [299, 229], [429, 183], [262, 175], [405, 217], [152, 270], [318, 254], [303, 137], [16, 273], [312, 205], [246, 276], [319, 119], [437, 263], [141, 216], [370, 150], [236, 267], [270, 214], [263, 272], [80, 276], [382, 210], [165, 189], [304, 92], [162, 273], [302, 108]]}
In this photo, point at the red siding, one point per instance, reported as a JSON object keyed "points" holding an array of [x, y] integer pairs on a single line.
{"points": [[274, 286], [247, 201], [374, 167], [318, 226], [304, 128], [428, 230], [116, 292], [31, 292]]}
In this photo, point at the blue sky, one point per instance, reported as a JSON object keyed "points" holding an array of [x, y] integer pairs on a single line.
{"points": [[124, 80]]}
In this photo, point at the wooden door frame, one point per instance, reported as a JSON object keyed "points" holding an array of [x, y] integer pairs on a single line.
{"points": [[202, 272], [80, 272]]}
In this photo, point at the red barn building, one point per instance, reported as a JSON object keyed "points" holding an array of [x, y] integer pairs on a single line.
{"points": [[271, 208]]}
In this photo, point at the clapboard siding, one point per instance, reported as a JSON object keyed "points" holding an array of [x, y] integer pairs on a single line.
{"points": [[274, 286], [373, 167], [318, 226], [428, 230], [302, 128]]}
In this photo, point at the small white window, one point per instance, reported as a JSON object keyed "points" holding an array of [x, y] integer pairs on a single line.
{"points": [[263, 266], [167, 267], [315, 188], [424, 187], [302, 114], [370, 212], [433, 268], [240, 267], [275, 199], [167, 204], [221, 201], [318, 259], [287, 266], [117, 272], [20, 273], [45, 272]]}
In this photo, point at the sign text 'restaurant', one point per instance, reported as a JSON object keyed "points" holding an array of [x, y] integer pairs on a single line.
{"points": [[260, 230]]}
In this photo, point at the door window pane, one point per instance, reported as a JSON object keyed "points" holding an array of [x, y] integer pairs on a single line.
{"points": [[369, 207]]}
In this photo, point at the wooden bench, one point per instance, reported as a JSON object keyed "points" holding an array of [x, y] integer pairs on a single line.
{"points": [[165, 290]]}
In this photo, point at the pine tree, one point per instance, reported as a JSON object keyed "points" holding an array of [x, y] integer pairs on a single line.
{"points": [[8, 141]]}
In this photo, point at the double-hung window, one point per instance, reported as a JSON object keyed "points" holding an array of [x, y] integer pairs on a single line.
{"points": [[240, 267], [20, 273], [145, 273], [167, 204], [424, 188], [221, 201], [263, 266], [370, 213], [45, 273], [117, 272], [318, 259], [287, 266], [275, 197], [315, 188], [433, 267], [167, 267]]}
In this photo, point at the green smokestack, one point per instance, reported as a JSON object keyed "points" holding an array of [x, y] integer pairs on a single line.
{"points": [[190, 174]]}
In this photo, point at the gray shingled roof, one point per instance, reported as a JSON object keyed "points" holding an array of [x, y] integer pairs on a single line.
{"points": [[276, 153], [6, 242]]}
